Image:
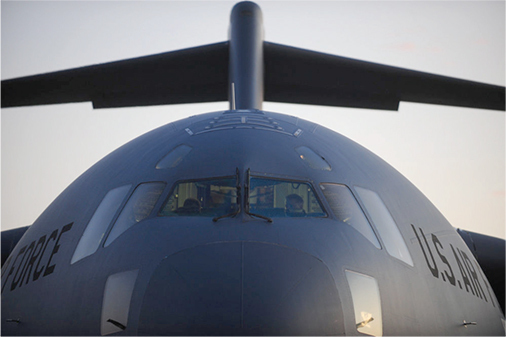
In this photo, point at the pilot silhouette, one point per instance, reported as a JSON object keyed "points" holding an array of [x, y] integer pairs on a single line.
{"points": [[294, 206], [190, 206]]}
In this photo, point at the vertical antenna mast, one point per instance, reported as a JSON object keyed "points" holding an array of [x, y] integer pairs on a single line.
{"points": [[246, 63]]}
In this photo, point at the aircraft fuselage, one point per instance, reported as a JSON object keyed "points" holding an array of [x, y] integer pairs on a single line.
{"points": [[176, 270]]}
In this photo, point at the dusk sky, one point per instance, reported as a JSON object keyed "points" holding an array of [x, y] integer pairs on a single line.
{"points": [[455, 156]]}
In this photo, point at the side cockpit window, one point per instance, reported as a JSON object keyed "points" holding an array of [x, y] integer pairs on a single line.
{"points": [[100, 221], [385, 224], [174, 157], [346, 209], [206, 198], [283, 198], [138, 207]]}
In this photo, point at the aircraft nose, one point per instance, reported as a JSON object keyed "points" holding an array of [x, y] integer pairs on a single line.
{"points": [[241, 288]]}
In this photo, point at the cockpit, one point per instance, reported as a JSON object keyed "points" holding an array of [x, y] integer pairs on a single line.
{"points": [[265, 197], [205, 197]]}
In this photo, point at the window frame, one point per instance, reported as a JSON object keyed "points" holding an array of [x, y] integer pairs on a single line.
{"points": [[293, 179], [360, 207], [181, 181], [178, 161], [122, 208], [373, 223], [107, 227]]}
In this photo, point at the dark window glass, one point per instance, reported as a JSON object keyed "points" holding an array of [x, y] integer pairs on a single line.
{"points": [[138, 207], [347, 210], [207, 198], [283, 198]]}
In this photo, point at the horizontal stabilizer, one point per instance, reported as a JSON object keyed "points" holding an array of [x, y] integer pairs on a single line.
{"points": [[294, 75], [291, 75], [185, 76]]}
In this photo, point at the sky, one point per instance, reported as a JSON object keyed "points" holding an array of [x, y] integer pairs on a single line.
{"points": [[455, 156]]}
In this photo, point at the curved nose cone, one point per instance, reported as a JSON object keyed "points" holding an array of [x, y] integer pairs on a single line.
{"points": [[241, 288]]}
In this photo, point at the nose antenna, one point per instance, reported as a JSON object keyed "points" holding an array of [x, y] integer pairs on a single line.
{"points": [[246, 61]]}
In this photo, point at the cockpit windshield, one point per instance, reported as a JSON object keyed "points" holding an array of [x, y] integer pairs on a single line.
{"points": [[283, 198], [208, 198], [264, 197]]}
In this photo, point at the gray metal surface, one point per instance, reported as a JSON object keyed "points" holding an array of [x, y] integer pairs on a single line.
{"points": [[410, 296], [243, 274]]}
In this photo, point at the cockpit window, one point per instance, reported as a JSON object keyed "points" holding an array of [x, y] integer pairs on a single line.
{"points": [[100, 221], [174, 157], [283, 198], [347, 210], [137, 208], [207, 198], [314, 160], [385, 224]]}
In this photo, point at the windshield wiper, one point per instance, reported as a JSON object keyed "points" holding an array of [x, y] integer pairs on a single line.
{"points": [[259, 216], [231, 215], [246, 200], [238, 199]]}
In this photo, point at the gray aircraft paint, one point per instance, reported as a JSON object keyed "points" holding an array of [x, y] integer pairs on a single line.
{"points": [[244, 275], [267, 153]]}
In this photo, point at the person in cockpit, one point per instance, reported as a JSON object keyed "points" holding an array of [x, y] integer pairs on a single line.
{"points": [[190, 206], [294, 206]]}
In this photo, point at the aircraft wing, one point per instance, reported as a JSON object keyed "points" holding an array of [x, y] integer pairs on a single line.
{"points": [[192, 75], [291, 75], [296, 75]]}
